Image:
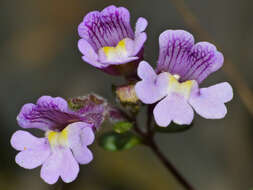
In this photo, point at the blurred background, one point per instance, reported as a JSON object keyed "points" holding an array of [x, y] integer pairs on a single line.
{"points": [[39, 55]]}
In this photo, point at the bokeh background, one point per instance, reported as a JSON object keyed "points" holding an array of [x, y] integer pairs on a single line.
{"points": [[39, 56]]}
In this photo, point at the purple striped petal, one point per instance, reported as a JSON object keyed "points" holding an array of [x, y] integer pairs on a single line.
{"points": [[106, 28], [179, 55], [55, 114], [48, 113], [204, 60]]}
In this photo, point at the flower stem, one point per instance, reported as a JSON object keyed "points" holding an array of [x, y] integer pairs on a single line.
{"points": [[169, 166], [148, 140]]}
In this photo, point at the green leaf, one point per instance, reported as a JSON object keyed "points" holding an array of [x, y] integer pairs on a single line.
{"points": [[113, 141], [173, 128], [122, 126]]}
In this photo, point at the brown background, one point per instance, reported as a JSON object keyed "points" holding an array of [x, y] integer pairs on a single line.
{"points": [[39, 56]]}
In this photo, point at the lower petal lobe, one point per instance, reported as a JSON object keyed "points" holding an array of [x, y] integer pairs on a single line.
{"points": [[209, 102], [34, 151], [173, 108]]}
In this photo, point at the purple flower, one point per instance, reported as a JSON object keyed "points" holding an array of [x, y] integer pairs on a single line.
{"points": [[109, 41], [181, 67], [68, 132]]}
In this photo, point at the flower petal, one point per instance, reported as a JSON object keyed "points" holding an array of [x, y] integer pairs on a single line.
{"points": [[48, 113], [145, 71], [175, 47], [50, 171], [140, 35], [141, 25], [179, 55], [80, 135], [89, 55], [149, 91], [204, 60], [209, 102], [69, 169], [139, 43], [106, 28], [34, 151], [87, 136], [173, 108], [23, 140], [31, 159]]}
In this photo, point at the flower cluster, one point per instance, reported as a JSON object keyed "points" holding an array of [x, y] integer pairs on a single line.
{"points": [[109, 43]]}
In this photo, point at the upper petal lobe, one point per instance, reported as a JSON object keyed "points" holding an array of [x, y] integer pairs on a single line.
{"points": [[178, 55]]}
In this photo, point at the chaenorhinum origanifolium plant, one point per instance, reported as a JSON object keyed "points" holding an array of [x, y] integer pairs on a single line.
{"points": [[171, 93]]}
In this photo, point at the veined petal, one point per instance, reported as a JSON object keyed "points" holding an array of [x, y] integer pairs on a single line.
{"points": [[209, 102], [178, 55], [48, 113], [106, 28], [173, 108], [175, 47], [203, 60]]}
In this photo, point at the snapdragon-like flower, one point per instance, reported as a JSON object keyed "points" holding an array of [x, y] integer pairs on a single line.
{"points": [[68, 132], [108, 41], [182, 66]]}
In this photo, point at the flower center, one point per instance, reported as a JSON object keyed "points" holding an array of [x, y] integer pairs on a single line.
{"points": [[115, 53], [58, 138], [183, 88]]}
